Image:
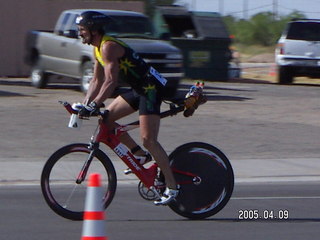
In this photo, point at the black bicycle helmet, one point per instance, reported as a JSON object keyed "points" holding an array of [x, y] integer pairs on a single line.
{"points": [[93, 20]]}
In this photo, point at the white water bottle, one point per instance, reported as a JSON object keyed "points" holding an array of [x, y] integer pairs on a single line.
{"points": [[75, 121]]}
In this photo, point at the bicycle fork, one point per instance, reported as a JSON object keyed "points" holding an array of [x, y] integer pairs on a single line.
{"points": [[83, 173]]}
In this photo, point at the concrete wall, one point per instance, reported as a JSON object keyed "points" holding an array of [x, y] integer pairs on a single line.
{"points": [[17, 17]]}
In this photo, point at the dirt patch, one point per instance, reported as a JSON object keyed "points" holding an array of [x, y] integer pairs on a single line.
{"points": [[262, 58]]}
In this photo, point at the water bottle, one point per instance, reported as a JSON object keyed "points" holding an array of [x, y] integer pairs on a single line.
{"points": [[75, 122], [193, 98]]}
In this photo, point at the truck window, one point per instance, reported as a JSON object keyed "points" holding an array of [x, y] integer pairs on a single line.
{"points": [[61, 23], [71, 23], [308, 31]]}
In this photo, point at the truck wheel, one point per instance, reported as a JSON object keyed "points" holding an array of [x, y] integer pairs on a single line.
{"points": [[39, 78], [285, 75], [87, 74]]}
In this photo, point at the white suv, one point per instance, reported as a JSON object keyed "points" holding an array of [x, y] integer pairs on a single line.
{"points": [[298, 50]]}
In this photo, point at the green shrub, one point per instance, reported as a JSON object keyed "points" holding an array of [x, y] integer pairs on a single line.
{"points": [[261, 29]]}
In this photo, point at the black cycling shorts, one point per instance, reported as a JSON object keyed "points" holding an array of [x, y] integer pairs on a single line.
{"points": [[147, 104]]}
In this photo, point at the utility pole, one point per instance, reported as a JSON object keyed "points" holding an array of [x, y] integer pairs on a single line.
{"points": [[275, 9], [221, 7], [245, 9], [194, 5]]}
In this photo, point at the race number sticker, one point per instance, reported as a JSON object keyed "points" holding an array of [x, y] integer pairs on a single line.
{"points": [[158, 76]]}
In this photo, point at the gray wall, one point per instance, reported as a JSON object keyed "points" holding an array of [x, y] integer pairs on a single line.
{"points": [[17, 17]]}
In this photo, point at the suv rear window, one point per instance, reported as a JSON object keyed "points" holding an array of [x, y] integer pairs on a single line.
{"points": [[309, 31]]}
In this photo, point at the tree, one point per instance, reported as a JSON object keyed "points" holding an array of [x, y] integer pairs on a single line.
{"points": [[262, 26], [261, 29]]}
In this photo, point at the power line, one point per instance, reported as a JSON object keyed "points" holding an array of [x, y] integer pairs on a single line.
{"points": [[252, 9], [247, 10], [293, 9]]}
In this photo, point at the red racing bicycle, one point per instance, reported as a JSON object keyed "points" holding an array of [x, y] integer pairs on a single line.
{"points": [[203, 172]]}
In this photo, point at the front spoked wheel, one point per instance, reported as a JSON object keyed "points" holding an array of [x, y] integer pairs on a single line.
{"points": [[59, 184], [206, 180]]}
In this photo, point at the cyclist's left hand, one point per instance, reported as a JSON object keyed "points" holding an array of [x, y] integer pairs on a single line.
{"points": [[89, 110]]}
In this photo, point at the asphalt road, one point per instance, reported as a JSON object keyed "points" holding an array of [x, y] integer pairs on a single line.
{"points": [[24, 215]]}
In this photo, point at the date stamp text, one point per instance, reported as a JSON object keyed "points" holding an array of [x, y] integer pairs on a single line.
{"points": [[255, 214]]}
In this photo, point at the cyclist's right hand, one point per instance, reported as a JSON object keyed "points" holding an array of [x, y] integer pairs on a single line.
{"points": [[85, 111], [77, 106], [91, 109]]}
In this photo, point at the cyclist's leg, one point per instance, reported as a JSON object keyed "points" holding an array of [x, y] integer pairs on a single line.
{"points": [[120, 107], [149, 117], [149, 125]]}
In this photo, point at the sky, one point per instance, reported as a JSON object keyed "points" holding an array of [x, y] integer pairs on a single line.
{"points": [[247, 8]]}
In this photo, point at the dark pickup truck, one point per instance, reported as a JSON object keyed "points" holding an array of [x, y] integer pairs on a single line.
{"points": [[61, 51]]}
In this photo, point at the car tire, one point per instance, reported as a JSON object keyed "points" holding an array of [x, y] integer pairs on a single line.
{"points": [[86, 76], [285, 75], [38, 77]]}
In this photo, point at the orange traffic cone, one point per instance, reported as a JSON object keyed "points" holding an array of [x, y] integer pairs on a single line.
{"points": [[273, 70], [93, 219]]}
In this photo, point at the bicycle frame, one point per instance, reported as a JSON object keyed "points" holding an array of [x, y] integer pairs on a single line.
{"points": [[105, 135], [110, 137]]}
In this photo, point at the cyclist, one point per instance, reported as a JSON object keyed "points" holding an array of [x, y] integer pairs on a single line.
{"points": [[114, 60]]}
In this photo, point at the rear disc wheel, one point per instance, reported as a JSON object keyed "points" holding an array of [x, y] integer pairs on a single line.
{"points": [[205, 177]]}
